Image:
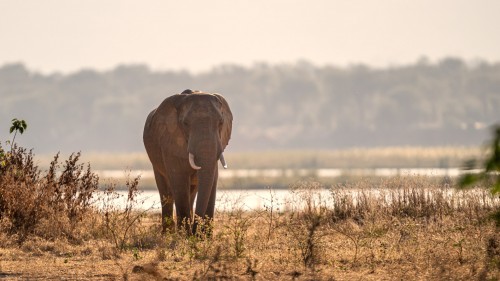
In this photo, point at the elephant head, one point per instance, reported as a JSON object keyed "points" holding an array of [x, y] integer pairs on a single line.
{"points": [[184, 138], [198, 127]]}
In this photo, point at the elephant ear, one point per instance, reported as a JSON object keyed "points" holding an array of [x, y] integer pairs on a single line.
{"points": [[227, 125], [169, 134]]}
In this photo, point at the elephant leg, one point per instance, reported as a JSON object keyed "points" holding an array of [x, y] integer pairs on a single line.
{"points": [[181, 192], [209, 216], [205, 221], [167, 202]]}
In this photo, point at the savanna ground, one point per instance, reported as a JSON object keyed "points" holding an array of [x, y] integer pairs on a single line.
{"points": [[57, 225]]}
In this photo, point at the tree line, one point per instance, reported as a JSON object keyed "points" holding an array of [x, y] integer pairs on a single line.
{"points": [[287, 106]]}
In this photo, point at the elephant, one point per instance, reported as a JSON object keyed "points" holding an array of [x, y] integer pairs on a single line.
{"points": [[184, 138]]}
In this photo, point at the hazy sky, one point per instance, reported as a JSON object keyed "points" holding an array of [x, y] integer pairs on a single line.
{"points": [[66, 35]]}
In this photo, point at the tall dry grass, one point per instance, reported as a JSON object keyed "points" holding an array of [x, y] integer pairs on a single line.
{"points": [[64, 202]]}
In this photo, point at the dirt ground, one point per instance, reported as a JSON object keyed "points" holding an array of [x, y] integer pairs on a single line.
{"points": [[396, 254]]}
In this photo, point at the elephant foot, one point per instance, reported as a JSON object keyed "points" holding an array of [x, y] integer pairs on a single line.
{"points": [[203, 229]]}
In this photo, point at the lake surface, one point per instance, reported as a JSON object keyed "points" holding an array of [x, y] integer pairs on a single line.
{"points": [[226, 199], [281, 200]]}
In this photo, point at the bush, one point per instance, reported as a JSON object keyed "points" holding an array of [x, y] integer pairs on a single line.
{"points": [[50, 204], [490, 173]]}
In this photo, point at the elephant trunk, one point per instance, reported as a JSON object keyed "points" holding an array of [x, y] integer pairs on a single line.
{"points": [[203, 155], [205, 202], [206, 189]]}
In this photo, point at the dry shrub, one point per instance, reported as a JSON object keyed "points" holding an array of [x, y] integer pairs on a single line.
{"points": [[51, 204], [64, 203], [52, 212]]}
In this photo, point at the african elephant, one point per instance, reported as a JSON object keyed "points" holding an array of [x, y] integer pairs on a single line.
{"points": [[184, 137]]}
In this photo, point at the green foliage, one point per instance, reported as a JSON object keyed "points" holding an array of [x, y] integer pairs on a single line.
{"points": [[17, 126], [2, 157], [490, 168], [490, 173]]}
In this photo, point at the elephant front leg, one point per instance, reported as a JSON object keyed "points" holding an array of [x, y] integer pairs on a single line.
{"points": [[205, 201], [167, 202], [207, 222], [167, 210], [181, 192]]}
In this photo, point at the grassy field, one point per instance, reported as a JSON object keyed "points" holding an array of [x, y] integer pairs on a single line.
{"points": [[389, 157], [422, 232], [56, 226]]}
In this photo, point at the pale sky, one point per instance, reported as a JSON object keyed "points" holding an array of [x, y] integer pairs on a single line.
{"points": [[67, 35]]}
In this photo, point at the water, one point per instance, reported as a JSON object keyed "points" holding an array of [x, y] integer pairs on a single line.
{"points": [[226, 199], [285, 200]]}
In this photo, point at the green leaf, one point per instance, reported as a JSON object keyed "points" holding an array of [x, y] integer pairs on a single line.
{"points": [[12, 129]]}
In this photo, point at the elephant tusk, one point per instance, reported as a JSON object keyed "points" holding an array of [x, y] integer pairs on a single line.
{"points": [[191, 162], [223, 161]]}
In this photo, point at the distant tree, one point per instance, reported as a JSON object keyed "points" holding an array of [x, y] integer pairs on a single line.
{"points": [[450, 102]]}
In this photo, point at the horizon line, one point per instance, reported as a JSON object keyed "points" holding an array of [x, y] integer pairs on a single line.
{"points": [[422, 60]]}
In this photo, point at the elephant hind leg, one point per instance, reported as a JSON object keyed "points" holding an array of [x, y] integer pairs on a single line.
{"points": [[167, 202]]}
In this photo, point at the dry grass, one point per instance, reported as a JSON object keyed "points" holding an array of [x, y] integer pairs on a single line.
{"points": [[388, 157], [410, 228]]}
